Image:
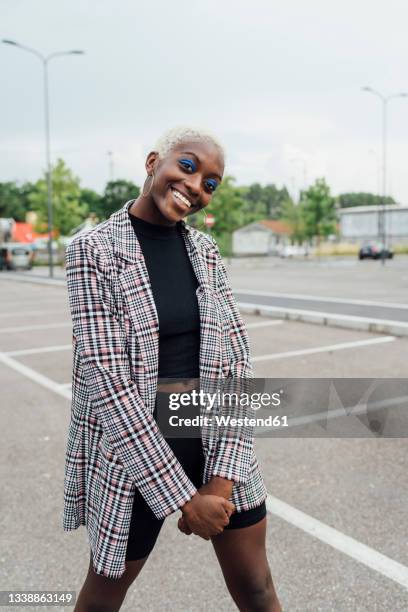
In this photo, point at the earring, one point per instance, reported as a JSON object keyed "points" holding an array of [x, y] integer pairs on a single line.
{"points": [[151, 185]]}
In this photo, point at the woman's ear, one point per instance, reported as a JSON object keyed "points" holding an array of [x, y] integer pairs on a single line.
{"points": [[151, 162]]}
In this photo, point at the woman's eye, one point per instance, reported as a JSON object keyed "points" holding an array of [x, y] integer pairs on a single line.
{"points": [[187, 164], [211, 185]]}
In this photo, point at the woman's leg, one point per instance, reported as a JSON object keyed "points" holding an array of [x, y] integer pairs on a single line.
{"points": [[242, 557], [100, 594]]}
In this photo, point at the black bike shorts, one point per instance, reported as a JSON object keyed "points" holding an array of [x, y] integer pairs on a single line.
{"points": [[145, 527]]}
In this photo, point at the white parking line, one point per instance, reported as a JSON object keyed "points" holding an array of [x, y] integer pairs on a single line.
{"points": [[319, 298], [45, 349], [29, 313], [340, 541], [36, 377], [255, 325], [324, 349], [347, 411], [12, 330]]}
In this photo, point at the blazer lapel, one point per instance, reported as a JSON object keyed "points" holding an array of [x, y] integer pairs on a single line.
{"points": [[134, 284]]}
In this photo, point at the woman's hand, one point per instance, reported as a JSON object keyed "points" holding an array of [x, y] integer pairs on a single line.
{"points": [[216, 486], [206, 515]]}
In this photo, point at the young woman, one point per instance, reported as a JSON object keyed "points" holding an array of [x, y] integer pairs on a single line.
{"points": [[150, 300]]}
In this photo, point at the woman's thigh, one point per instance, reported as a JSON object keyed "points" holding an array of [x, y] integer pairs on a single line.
{"points": [[244, 564], [101, 594]]}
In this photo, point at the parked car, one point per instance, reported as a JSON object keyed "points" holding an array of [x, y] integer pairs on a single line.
{"points": [[16, 255], [292, 250], [374, 250]]}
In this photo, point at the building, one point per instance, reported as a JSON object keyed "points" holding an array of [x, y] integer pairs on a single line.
{"points": [[360, 223], [264, 237]]}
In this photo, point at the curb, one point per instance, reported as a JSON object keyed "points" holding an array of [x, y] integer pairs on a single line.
{"points": [[378, 326], [330, 319]]}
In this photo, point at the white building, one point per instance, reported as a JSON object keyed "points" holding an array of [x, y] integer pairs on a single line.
{"points": [[360, 223], [264, 237]]}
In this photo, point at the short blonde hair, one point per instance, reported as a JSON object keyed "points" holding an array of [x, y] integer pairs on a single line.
{"points": [[172, 138]]}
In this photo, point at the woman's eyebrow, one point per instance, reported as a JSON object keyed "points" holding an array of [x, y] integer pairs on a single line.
{"points": [[199, 161]]}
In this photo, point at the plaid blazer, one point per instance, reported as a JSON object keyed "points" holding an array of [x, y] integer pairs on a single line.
{"points": [[114, 444]]}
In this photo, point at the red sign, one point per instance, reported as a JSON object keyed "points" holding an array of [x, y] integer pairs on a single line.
{"points": [[209, 220]]}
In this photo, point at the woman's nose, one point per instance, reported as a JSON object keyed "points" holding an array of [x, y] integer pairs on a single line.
{"points": [[193, 184]]}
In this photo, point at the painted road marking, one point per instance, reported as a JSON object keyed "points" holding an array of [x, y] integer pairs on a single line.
{"points": [[35, 376], [340, 541], [313, 314], [360, 552], [29, 313], [324, 349], [35, 351], [362, 408], [12, 330], [255, 325]]}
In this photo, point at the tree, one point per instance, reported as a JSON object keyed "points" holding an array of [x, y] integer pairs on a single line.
{"points": [[264, 202], [274, 199], [93, 202], [226, 206], [362, 199], [14, 202], [67, 210], [318, 210], [293, 216], [115, 195]]}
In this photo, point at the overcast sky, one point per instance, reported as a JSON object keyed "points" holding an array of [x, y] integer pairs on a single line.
{"points": [[278, 81]]}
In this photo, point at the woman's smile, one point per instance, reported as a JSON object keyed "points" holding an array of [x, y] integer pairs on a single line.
{"points": [[182, 200]]}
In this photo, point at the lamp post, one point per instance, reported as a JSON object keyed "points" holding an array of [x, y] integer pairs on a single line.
{"points": [[111, 171], [45, 59], [302, 161], [382, 230]]}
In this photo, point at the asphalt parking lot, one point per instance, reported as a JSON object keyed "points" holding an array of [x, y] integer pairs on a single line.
{"points": [[337, 524]]}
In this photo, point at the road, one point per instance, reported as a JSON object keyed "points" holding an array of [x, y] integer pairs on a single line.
{"points": [[356, 308], [336, 536]]}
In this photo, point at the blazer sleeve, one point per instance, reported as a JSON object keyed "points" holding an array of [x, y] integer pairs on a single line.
{"points": [[128, 426], [235, 445]]}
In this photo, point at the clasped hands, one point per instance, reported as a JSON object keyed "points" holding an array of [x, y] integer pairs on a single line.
{"points": [[209, 510]]}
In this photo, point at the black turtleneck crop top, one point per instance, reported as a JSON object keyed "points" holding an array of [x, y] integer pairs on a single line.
{"points": [[174, 287]]}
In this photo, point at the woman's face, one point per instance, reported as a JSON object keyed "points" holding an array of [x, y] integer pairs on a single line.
{"points": [[184, 181]]}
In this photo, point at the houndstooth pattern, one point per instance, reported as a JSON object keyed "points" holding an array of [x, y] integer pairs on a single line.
{"points": [[114, 444]]}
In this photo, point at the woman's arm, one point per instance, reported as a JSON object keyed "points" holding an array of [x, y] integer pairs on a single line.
{"points": [[129, 427], [235, 447]]}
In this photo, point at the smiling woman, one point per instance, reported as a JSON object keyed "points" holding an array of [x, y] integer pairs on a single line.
{"points": [[150, 300], [183, 172]]}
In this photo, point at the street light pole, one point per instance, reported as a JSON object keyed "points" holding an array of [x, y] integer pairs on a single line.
{"points": [[111, 172], [45, 60], [382, 228]]}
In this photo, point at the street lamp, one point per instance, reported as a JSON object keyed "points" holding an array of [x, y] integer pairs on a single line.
{"points": [[382, 231], [302, 161], [45, 60]]}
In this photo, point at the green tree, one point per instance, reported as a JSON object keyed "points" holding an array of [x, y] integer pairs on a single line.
{"points": [[274, 199], [318, 210], [14, 201], [115, 195], [226, 206], [93, 201], [293, 216], [68, 212], [362, 199], [254, 207], [264, 202]]}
